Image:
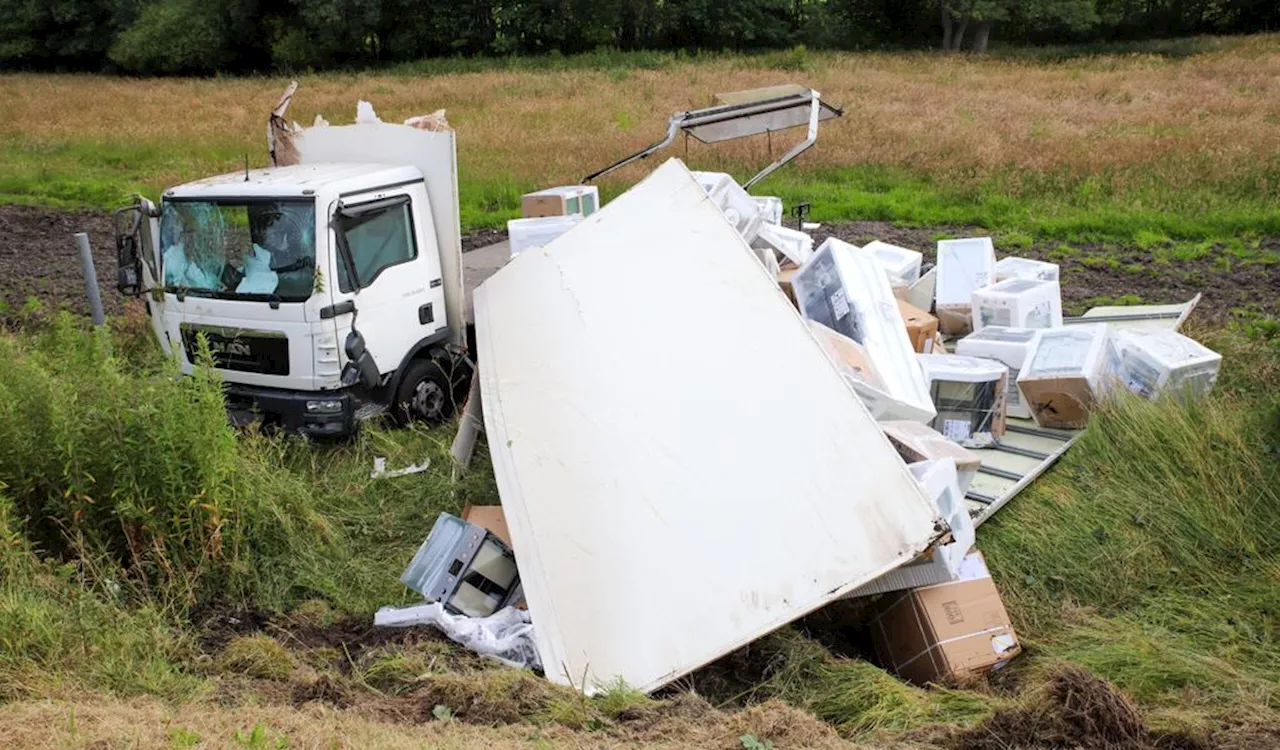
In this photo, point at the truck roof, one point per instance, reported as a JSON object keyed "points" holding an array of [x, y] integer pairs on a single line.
{"points": [[299, 181]]}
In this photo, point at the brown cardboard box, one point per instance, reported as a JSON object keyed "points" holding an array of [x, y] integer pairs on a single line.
{"points": [[784, 281], [946, 631], [535, 205], [488, 517], [850, 357], [921, 326], [955, 320], [1062, 403]]}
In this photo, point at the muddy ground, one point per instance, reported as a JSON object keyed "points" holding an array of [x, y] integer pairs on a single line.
{"points": [[39, 261]]}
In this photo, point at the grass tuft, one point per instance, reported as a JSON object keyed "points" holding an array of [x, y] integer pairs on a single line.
{"points": [[257, 656]]}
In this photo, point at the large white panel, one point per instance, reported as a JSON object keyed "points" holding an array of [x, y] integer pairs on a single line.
{"points": [[682, 468]]}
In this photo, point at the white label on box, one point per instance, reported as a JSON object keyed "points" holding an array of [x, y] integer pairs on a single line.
{"points": [[1002, 643], [955, 429], [839, 305]]}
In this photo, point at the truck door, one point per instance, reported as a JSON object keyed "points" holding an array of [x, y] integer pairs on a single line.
{"points": [[390, 274], [140, 271]]}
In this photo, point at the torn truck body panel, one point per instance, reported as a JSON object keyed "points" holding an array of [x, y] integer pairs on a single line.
{"points": [[424, 142], [631, 482], [742, 114]]}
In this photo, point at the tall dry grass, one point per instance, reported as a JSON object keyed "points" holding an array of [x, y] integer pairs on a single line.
{"points": [[1133, 120]]}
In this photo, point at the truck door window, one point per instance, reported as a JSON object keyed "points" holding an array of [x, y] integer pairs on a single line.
{"points": [[377, 239]]}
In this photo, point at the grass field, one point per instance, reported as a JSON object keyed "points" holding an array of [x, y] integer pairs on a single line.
{"points": [[1178, 140], [167, 582]]}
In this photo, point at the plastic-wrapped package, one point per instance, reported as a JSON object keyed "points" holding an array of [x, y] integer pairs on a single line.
{"points": [[1067, 372], [738, 206], [846, 291], [1026, 268], [1008, 345], [505, 635], [963, 266], [969, 395], [917, 442], [770, 209], [797, 246], [899, 262], [1018, 303], [527, 234], [1154, 361]]}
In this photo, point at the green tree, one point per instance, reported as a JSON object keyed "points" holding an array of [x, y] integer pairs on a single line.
{"points": [[61, 33], [958, 15]]}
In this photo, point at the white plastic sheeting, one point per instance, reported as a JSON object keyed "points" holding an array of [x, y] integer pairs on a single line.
{"points": [[681, 472], [505, 635]]}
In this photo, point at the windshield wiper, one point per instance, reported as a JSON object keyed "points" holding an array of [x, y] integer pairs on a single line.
{"points": [[296, 265]]}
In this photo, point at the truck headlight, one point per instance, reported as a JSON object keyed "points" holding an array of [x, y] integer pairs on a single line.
{"points": [[327, 406]]}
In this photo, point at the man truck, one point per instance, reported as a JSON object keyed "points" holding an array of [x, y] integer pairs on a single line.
{"points": [[326, 288]]}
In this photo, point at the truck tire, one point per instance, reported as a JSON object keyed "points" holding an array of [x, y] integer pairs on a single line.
{"points": [[429, 391]]}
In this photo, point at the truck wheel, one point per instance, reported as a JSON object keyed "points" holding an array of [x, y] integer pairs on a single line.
{"points": [[427, 393]]}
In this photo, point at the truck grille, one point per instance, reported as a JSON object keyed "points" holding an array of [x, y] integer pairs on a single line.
{"points": [[264, 352]]}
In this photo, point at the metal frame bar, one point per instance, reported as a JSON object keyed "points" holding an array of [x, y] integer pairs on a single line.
{"points": [[815, 112]]}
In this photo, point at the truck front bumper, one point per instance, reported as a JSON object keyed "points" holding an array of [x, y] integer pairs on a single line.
{"points": [[317, 413]]}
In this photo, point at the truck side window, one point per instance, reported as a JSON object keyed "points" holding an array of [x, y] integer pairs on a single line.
{"points": [[378, 240]]}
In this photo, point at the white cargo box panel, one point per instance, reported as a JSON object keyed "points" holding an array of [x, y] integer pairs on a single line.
{"points": [[1009, 346], [846, 290], [371, 141], [969, 396], [963, 266], [1026, 268], [1018, 303], [630, 489], [941, 563], [1157, 361], [899, 262], [738, 206], [1138, 317], [526, 234], [1068, 370]]}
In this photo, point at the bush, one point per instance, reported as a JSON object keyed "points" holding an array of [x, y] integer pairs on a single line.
{"points": [[142, 469], [176, 36]]}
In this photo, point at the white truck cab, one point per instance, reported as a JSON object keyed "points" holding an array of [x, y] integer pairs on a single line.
{"points": [[327, 292]]}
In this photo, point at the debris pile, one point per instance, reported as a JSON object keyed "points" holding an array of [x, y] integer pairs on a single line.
{"points": [[782, 427]]}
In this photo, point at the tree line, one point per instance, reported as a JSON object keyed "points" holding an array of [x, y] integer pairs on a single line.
{"points": [[242, 36]]}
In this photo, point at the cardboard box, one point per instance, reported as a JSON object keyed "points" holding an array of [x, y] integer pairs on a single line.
{"points": [[1157, 360], [490, 518], [969, 395], [847, 291], [784, 282], [569, 200], [963, 266], [948, 631], [1010, 346], [1068, 370], [899, 262], [1025, 268], [1018, 303], [917, 442], [921, 326]]}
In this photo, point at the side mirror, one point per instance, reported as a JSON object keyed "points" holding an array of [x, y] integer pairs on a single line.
{"points": [[361, 368], [128, 260]]}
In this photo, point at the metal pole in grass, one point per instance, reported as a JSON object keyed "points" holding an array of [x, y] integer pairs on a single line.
{"points": [[90, 279]]}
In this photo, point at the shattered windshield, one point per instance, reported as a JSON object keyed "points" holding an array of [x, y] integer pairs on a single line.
{"points": [[240, 249]]}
